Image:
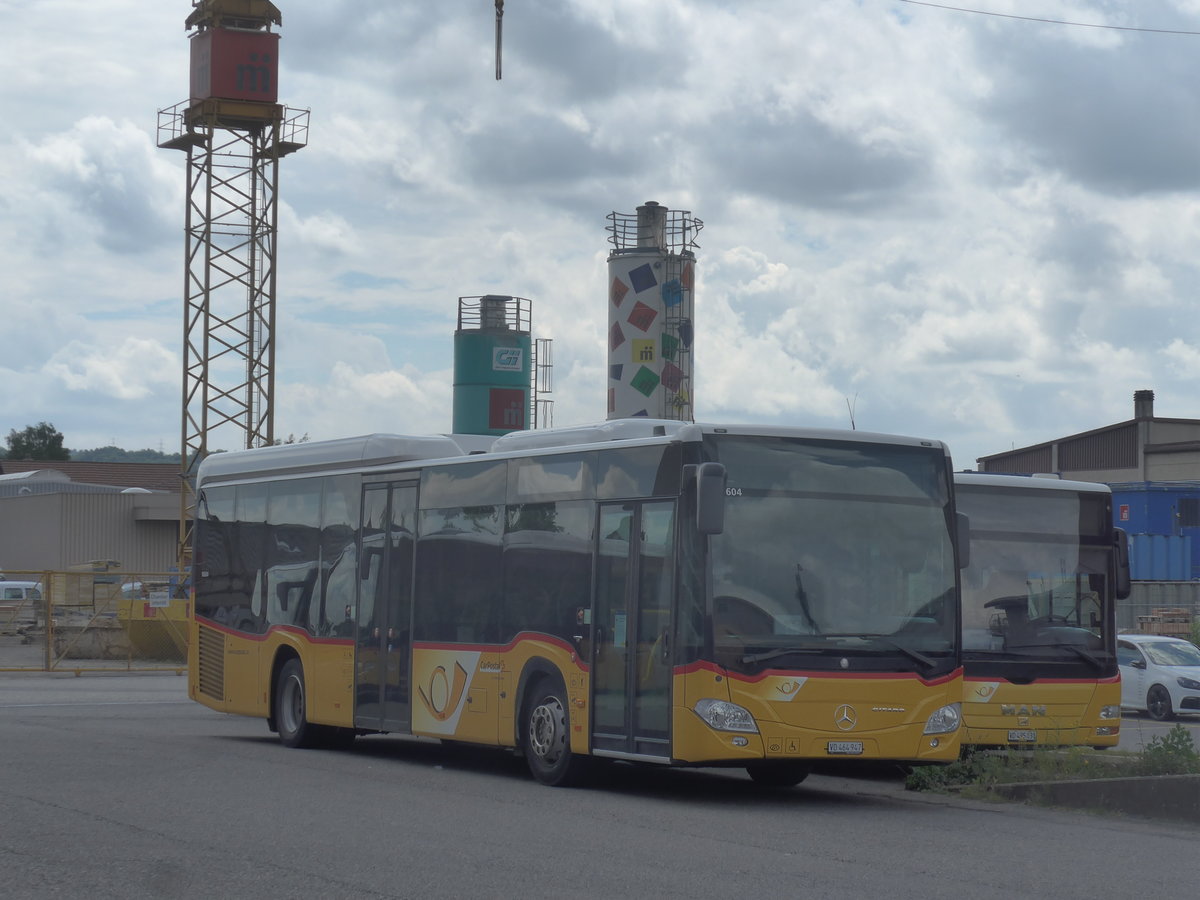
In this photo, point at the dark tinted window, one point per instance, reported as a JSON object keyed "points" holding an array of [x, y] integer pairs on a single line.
{"points": [[638, 472], [458, 587], [548, 478], [292, 549], [547, 567], [1127, 654], [467, 484], [215, 553], [339, 519]]}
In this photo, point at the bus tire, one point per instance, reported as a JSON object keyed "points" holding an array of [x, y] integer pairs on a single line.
{"points": [[780, 775], [291, 712], [546, 735]]}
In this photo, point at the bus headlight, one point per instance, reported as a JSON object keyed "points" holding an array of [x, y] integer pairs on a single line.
{"points": [[722, 715], [1110, 712], [944, 720]]}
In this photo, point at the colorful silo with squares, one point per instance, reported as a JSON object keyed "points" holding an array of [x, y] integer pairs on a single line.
{"points": [[651, 328]]}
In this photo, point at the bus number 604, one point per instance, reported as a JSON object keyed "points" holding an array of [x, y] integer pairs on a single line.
{"points": [[733, 492]]}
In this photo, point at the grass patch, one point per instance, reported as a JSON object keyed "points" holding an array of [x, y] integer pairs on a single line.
{"points": [[1171, 754]]}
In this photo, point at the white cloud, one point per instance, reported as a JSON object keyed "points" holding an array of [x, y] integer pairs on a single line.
{"points": [[131, 370], [982, 229]]}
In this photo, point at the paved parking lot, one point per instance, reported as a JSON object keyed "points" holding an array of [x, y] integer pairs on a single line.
{"points": [[1138, 729]]}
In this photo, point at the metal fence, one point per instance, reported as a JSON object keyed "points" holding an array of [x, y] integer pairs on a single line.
{"points": [[93, 620], [103, 620], [1161, 607]]}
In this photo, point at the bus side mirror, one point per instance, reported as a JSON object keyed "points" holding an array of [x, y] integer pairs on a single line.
{"points": [[710, 498], [1121, 544], [964, 540]]}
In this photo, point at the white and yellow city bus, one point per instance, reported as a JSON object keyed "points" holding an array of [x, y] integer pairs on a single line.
{"points": [[1039, 612], [640, 590]]}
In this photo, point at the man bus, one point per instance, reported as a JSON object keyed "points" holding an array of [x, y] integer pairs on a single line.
{"points": [[641, 590], [1039, 612]]}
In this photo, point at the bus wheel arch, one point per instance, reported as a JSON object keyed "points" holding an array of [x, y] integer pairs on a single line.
{"points": [[290, 704]]}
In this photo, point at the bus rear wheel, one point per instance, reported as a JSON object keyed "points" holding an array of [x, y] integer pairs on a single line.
{"points": [[547, 736], [780, 775], [291, 711]]}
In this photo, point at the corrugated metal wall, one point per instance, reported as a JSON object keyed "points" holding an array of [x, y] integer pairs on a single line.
{"points": [[96, 526], [1115, 448], [1025, 462], [56, 531], [1160, 557]]}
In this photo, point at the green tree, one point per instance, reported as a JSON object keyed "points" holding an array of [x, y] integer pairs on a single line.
{"points": [[40, 441]]}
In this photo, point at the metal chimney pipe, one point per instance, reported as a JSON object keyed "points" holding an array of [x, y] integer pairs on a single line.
{"points": [[1143, 404], [652, 226]]}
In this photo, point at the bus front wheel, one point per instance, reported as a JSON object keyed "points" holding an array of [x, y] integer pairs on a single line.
{"points": [[547, 736]]}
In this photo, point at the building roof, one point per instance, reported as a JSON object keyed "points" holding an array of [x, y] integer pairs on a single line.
{"points": [[151, 476]]}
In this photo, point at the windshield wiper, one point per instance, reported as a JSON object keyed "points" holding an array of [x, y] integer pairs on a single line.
{"points": [[1058, 645], [782, 651], [907, 651], [786, 651]]}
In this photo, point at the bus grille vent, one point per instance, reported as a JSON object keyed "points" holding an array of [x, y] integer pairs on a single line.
{"points": [[211, 663]]}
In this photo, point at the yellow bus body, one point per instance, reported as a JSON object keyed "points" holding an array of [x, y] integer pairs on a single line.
{"points": [[471, 694], [1044, 713]]}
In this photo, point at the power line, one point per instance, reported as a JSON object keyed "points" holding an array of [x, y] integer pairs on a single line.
{"points": [[981, 12]]}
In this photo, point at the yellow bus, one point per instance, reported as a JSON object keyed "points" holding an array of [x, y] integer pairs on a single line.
{"points": [[1039, 612], [640, 590]]}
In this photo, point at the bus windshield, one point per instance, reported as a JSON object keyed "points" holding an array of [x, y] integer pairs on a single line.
{"points": [[1037, 586], [834, 553]]}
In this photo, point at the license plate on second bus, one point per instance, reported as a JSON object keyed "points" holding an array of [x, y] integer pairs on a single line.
{"points": [[1022, 737], [846, 748]]}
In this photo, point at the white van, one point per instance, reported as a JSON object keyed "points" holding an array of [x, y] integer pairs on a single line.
{"points": [[19, 597]]}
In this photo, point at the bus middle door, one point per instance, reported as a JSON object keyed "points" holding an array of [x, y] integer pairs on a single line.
{"points": [[385, 589]]}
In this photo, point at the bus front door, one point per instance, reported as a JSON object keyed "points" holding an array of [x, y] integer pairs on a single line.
{"points": [[631, 700], [385, 587]]}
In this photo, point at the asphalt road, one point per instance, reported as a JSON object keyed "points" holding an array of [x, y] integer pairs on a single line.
{"points": [[1138, 729], [118, 786]]}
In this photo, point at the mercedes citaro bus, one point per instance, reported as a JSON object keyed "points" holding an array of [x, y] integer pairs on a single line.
{"points": [[641, 590]]}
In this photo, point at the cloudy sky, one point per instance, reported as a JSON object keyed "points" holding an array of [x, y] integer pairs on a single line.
{"points": [[978, 228]]}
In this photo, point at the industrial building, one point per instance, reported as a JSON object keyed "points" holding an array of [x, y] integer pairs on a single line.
{"points": [[1152, 464], [58, 515]]}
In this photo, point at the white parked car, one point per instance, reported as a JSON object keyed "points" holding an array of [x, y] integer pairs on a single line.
{"points": [[1159, 674]]}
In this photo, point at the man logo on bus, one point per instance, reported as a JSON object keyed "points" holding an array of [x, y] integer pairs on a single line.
{"points": [[440, 696], [1013, 709]]}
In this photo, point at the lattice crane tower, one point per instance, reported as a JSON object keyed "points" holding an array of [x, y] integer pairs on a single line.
{"points": [[234, 133]]}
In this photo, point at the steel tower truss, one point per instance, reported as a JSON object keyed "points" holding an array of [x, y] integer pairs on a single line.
{"points": [[229, 278]]}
